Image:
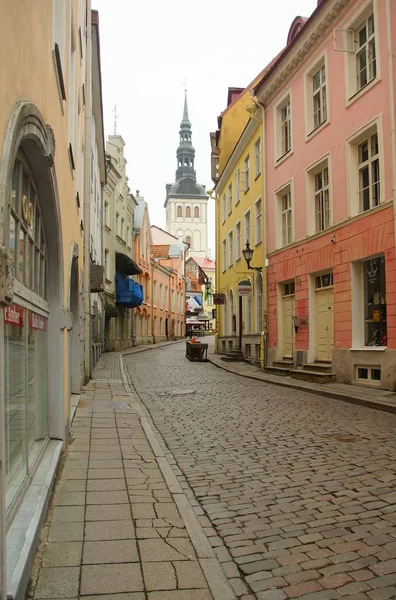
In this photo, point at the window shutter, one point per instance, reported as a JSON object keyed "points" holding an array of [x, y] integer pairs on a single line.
{"points": [[344, 40]]}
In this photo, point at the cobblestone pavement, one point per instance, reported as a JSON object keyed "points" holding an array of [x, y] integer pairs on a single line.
{"points": [[119, 526], [297, 492]]}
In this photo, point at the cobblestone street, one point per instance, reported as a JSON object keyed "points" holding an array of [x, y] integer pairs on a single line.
{"points": [[296, 492]]}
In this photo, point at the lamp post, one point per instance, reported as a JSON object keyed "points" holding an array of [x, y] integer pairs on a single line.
{"points": [[248, 256]]}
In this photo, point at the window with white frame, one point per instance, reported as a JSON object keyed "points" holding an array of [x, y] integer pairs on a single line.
{"points": [[161, 294], [155, 293], [237, 188], [238, 240], [223, 208], [257, 157], [230, 248], [322, 199], [366, 62], [284, 220], [259, 220], [247, 227], [283, 118], [369, 173], [224, 257], [319, 96], [247, 173], [229, 198]]}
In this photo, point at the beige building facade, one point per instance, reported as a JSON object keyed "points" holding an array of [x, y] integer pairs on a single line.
{"points": [[46, 117]]}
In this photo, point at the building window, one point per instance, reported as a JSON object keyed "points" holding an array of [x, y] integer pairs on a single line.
{"points": [[230, 248], [257, 157], [319, 97], [223, 208], [259, 287], [196, 212], [283, 118], [322, 200], [369, 173], [366, 65], [117, 224], [370, 375], [259, 220], [375, 302], [248, 313], [224, 257], [247, 173], [247, 227], [155, 293], [237, 188], [289, 288], [188, 240], [229, 198], [179, 211], [161, 295], [238, 240], [188, 211], [286, 212]]}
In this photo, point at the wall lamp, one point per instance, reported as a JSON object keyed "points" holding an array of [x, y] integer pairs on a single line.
{"points": [[248, 255]]}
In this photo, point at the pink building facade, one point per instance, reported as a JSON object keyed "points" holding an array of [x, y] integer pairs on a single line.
{"points": [[330, 178]]}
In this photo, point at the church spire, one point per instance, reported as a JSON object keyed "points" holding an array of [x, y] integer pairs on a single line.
{"points": [[185, 152]]}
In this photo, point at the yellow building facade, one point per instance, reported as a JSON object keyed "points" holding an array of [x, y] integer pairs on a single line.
{"points": [[240, 220]]}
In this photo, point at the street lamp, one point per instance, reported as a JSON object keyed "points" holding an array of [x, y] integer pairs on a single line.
{"points": [[208, 285], [248, 255]]}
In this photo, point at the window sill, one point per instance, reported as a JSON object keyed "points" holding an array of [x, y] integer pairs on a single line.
{"points": [[362, 91], [309, 136], [247, 189], [369, 349], [259, 243], [257, 176], [284, 157]]}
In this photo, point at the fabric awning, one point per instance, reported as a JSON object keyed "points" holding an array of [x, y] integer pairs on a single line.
{"points": [[126, 265]]}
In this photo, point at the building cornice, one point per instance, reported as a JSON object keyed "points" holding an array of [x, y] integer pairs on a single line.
{"points": [[312, 32], [236, 154]]}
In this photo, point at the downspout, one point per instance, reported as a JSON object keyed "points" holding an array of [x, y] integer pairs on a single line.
{"points": [[391, 107], [102, 243], [264, 197], [87, 178], [152, 265]]}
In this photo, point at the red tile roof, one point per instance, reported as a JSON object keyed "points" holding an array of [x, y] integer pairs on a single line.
{"points": [[160, 251], [205, 263]]}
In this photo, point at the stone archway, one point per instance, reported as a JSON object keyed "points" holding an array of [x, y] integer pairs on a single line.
{"points": [[27, 133]]}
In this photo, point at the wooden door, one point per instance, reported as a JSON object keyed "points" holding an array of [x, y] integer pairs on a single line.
{"points": [[288, 312], [324, 324]]}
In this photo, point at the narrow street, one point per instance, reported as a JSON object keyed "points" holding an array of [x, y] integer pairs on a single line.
{"points": [[296, 492]]}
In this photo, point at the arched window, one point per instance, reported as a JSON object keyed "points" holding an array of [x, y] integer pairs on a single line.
{"points": [[188, 240], [196, 212], [179, 211], [188, 211]]}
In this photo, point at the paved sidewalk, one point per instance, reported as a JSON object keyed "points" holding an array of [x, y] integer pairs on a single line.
{"points": [[120, 525], [373, 398]]}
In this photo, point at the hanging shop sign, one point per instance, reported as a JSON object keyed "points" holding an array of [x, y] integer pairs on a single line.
{"points": [[13, 315], [245, 288], [218, 299], [37, 321]]}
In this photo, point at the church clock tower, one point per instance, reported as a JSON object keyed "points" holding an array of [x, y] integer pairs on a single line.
{"points": [[186, 200]]}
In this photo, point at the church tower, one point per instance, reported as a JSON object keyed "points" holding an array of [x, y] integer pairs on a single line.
{"points": [[186, 200]]}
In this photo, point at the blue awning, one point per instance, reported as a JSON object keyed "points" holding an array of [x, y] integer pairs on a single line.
{"points": [[129, 294]]}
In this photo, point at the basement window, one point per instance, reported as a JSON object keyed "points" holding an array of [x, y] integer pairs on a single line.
{"points": [[370, 375]]}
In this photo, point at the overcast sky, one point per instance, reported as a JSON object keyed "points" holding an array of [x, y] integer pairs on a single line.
{"points": [[148, 49]]}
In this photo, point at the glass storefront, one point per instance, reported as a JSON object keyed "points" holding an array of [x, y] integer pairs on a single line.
{"points": [[375, 302], [25, 393], [25, 335]]}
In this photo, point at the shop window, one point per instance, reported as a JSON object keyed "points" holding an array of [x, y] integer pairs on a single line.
{"points": [[375, 302]]}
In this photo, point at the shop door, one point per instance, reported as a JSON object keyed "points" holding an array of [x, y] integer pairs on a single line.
{"points": [[288, 312], [324, 324]]}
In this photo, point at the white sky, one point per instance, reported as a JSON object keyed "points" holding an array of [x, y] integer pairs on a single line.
{"points": [[149, 48]]}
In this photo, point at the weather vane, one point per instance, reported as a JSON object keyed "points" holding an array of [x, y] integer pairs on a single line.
{"points": [[115, 119]]}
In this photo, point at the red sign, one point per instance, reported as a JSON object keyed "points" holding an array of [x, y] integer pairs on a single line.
{"points": [[37, 321], [14, 315]]}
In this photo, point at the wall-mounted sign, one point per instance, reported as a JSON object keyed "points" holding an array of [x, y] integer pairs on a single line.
{"points": [[245, 288], [13, 315], [37, 321], [218, 299]]}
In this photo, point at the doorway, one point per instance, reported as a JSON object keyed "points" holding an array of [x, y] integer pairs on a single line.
{"points": [[324, 317], [288, 313]]}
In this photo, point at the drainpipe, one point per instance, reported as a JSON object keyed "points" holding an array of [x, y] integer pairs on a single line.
{"points": [[102, 242], [264, 333], [152, 268], [3, 579], [87, 180], [391, 107]]}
